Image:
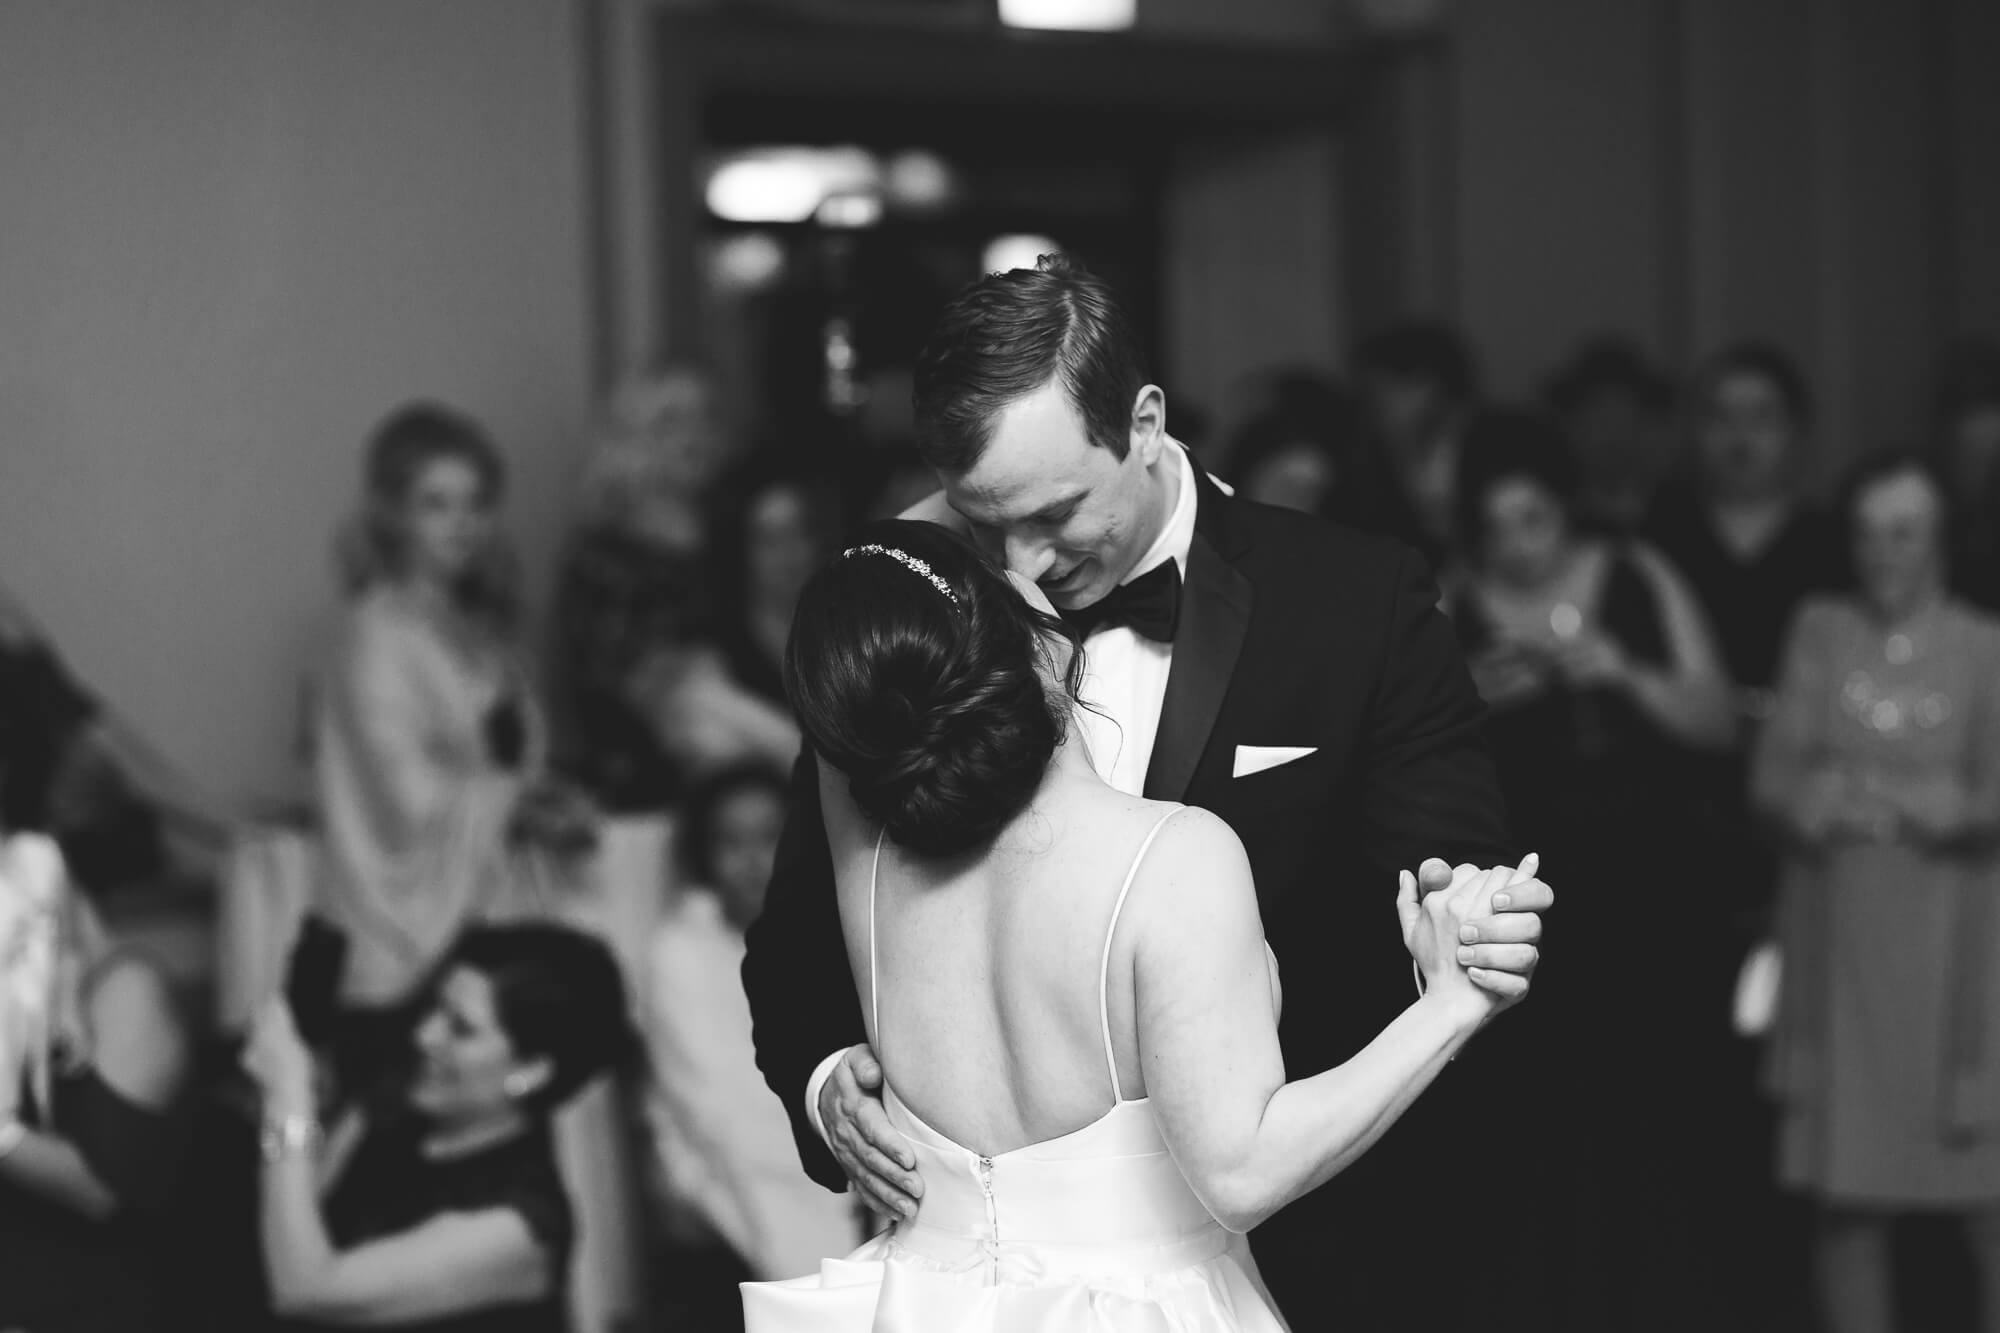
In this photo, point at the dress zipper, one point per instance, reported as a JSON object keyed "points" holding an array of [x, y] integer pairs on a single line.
{"points": [[992, 1246]]}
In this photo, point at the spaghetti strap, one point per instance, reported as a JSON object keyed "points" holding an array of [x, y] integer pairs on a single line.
{"points": [[1104, 967], [874, 1002]]}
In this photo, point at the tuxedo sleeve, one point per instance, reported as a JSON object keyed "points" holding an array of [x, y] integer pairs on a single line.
{"points": [[803, 1005], [1428, 782]]}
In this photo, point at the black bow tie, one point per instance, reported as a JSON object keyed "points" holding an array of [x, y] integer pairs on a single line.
{"points": [[1150, 604]]}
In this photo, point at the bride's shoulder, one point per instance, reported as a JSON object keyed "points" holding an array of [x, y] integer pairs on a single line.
{"points": [[1193, 896], [1192, 825], [1194, 850]]}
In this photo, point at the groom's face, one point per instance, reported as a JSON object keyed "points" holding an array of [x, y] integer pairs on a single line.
{"points": [[1068, 515]]}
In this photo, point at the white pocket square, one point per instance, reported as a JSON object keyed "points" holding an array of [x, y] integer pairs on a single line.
{"points": [[1256, 758]]}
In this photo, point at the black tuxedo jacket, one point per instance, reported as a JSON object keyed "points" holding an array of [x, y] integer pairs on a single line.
{"points": [[1293, 632]]}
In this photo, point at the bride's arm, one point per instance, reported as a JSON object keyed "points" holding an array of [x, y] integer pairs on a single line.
{"points": [[1248, 1141]]}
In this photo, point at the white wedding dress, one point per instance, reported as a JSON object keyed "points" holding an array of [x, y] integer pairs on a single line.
{"points": [[1096, 1230]]}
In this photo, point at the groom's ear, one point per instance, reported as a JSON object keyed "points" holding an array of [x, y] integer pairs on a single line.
{"points": [[1149, 424]]}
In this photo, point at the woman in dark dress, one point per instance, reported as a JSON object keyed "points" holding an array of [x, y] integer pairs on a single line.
{"points": [[93, 1068], [1602, 684], [447, 1212]]}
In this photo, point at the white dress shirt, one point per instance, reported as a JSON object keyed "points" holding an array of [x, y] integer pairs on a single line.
{"points": [[1125, 679], [1125, 673]]}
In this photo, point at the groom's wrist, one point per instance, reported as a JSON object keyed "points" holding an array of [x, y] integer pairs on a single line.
{"points": [[813, 1085]]}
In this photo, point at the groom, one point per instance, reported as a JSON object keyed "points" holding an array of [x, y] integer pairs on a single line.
{"points": [[1290, 675]]}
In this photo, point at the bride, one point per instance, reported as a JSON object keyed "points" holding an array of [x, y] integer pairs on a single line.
{"points": [[1068, 987]]}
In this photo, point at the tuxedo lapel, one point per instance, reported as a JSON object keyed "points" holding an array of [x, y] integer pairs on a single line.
{"points": [[1214, 617]]}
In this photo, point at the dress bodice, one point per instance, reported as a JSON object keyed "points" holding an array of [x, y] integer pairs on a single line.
{"points": [[1060, 1205], [1067, 1201]]}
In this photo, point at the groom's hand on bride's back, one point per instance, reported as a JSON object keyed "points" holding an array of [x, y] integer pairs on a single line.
{"points": [[1502, 944], [876, 1157]]}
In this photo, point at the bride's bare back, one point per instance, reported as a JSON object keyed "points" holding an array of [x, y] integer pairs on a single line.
{"points": [[988, 963]]}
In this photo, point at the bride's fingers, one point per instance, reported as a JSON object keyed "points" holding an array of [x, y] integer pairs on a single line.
{"points": [[1531, 864], [1407, 906]]}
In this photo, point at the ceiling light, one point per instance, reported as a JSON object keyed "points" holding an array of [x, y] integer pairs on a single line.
{"points": [[1003, 254], [853, 208], [1072, 15], [786, 184]]}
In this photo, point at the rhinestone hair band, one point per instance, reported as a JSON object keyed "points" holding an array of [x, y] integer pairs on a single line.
{"points": [[909, 562]]}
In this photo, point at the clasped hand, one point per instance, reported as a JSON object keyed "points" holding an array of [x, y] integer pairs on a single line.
{"points": [[1473, 932], [1464, 926]]}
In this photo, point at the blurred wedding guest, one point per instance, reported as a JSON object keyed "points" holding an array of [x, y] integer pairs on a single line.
{"points": [[427, 748], [718, 701], [1550, 611], [1966, 437], [1602, 683], [1617, 411], [1881, 767], [728, 1164], [446, 1211], [93, 1117], [1307, 449], [1283, 462], [70, 767], [782, 527], [633, 594], [1418, 390], [1740, 526]]}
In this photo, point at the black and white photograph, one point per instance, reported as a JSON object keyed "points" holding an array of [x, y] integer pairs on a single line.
{"points": [[1000, 666]]}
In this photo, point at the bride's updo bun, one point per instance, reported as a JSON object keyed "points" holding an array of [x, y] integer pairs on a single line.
{"points": [[912, 667]]}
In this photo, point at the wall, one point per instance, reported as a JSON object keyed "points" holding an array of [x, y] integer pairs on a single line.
{"points": [[1813, 171], [238, 232], [1561, 217], [1970, 134], [1251, 279], [1816, 172]]}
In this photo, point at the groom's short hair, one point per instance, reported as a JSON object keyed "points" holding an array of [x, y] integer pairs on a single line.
{"points": [[1005, 336]]}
